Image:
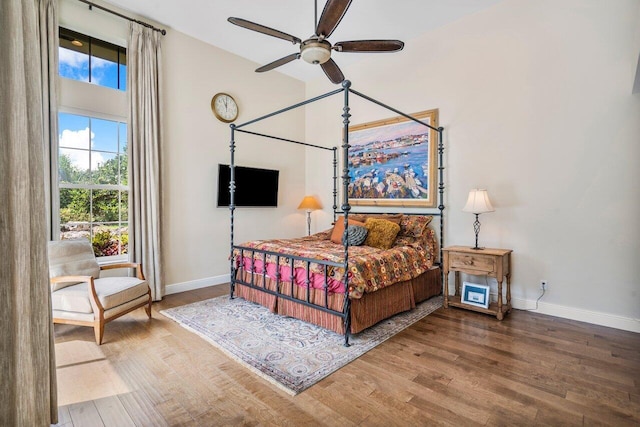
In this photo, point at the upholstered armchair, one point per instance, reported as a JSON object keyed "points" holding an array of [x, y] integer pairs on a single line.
{"points": [[81, 297]]}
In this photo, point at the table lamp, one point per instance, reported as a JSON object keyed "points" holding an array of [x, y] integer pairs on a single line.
{"points": [[309, 203], [477, 203]]}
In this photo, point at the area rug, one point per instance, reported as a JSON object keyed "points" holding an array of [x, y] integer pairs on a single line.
{"points": [[287, 352]]}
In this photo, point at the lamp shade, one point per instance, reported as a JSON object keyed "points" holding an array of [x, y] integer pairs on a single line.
{"points": [[478, 202], [309, 203]]}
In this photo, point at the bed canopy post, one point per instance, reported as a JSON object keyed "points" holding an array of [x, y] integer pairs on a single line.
{"points": [[335, 183], [346, 208], [232, 206], [441, 194]]}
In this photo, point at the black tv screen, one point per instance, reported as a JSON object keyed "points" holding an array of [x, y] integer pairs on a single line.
{"points": [[254, 187]]}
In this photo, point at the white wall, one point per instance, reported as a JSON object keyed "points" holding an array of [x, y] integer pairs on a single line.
{"points": [[536, 100], [196, 232]]}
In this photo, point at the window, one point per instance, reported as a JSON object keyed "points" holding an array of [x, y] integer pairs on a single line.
{"points": [[91, 60], [92, 145], [92, 177]]}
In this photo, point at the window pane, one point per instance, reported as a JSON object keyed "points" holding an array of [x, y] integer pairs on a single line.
{"points": [[73, 65], [124, 238], [74, 210], [91, 60], [123, 68], [104, 135], [74, 131], [124, 206], [105, 168], [122, 127], [104, 73], [124, 169], [105, 206], [73, 166], [123, 77], [73, 55], [106, 240], [104, 64]]}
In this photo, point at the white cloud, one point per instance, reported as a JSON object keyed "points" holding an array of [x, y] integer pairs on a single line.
{"points": [[72, 58], [99, 62], [80, 140], [77, 62]]}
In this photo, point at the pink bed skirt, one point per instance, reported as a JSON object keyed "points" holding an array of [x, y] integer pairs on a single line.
{"points": [[300, 275]]}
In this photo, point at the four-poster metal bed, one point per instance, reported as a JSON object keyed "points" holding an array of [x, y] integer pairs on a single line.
{"points": [[288, 293]]}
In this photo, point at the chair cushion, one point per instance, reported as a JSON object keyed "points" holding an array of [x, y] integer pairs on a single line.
{"points": [[71, 258], [111, 291]]}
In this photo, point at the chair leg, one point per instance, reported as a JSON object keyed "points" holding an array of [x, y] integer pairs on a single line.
{"points": [[147, 308], [98, 328]]}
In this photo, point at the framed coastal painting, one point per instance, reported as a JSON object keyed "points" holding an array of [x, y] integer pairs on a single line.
{"points": [[393, 162]]}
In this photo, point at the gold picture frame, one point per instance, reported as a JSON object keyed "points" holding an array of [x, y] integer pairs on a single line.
{"points": [[393, 162]]}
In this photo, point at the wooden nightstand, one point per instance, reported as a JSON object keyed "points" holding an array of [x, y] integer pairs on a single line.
{"points": [[481, 262]]}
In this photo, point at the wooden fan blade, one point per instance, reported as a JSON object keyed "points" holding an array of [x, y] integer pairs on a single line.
{"points": [[369, 46], [332, 71], [331, 16], [278, 63], [264, 30]]}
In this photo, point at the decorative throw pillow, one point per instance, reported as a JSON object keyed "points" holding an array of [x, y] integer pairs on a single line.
{"points": [[356, 235], [395, 218], [414, 225], [338, 229], [381, 233]]}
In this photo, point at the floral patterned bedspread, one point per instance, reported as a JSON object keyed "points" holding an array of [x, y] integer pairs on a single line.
{"points": [[370, 268]]}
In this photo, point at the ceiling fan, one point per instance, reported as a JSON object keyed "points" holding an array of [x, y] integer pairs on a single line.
{"points": [[317, 49]]}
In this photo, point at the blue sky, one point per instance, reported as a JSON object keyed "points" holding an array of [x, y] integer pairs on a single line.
{"points": [[75, 65]]}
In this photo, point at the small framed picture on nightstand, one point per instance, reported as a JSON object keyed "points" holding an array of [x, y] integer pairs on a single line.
{"points": [[474, 294]]}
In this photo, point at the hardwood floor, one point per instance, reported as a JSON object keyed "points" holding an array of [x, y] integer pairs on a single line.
{"points": [[454, 367]]}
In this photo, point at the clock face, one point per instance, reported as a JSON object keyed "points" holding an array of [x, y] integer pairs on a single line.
{"points": [[224, 107]]}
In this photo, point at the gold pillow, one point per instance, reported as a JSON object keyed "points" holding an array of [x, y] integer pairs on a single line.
{"points": [[381, 233]]}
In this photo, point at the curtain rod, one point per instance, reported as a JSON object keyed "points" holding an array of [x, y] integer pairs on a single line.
{"points": [[113, 12]]}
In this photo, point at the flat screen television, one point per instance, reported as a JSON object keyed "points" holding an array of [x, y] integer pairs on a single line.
{"points": [[254, 187]]}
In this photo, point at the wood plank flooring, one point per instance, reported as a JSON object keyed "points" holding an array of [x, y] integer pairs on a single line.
{"points": [[453, 368]]}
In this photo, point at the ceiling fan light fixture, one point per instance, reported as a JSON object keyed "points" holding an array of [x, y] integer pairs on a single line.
{"points": [[315, 51]]}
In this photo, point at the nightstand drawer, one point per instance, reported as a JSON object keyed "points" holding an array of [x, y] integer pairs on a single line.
{"points": [[477, 262]]}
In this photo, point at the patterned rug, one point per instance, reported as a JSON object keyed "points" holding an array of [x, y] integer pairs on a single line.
{"points": [[287, 352]]}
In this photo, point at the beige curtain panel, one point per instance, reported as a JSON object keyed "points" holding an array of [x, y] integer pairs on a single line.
{"points": [[145, 136], [27, 361]]}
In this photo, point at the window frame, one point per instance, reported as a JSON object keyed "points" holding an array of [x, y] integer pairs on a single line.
{"points": [[99, 43]]}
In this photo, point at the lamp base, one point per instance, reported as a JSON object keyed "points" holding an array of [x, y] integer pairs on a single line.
{"points": [[478, 248], [476, 228]]}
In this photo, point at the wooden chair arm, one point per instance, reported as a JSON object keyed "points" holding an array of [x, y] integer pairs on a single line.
{"points": [[137, 266], [65, 279]]}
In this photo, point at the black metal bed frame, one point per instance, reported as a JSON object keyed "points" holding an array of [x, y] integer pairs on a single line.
{"points": [[345, 313]]}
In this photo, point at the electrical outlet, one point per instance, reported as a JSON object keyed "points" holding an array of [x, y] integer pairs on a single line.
{"points": [[543, 285]]}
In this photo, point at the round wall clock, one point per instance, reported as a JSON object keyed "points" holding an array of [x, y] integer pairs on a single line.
{"points": [[224, 107]]}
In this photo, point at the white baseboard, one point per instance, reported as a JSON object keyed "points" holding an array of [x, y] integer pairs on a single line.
{"points": [[196, 284], [573, 313]]}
